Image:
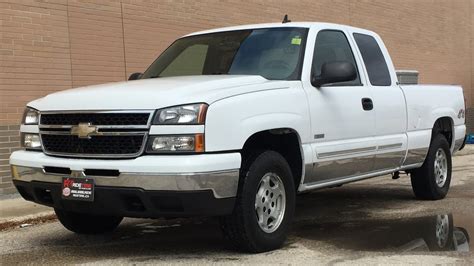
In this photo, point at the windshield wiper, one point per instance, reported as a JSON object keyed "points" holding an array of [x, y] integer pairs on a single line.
{"points": [[218, 73]]}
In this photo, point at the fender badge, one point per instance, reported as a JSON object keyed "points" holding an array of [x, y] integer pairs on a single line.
{"points": [[319, 136]]}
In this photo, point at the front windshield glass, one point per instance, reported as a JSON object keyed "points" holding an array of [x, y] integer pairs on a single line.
{"points": [[274, 53]]}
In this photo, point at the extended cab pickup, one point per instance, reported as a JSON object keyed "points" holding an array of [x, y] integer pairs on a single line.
{"points": [[234, 122]]}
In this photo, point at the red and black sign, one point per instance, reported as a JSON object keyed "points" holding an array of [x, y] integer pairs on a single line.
{"points": [[78, 189]]}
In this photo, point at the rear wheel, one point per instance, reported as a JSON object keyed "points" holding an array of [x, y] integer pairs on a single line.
{"points": [[439, 233], [265, 204], [81, 223], [431, 181]]}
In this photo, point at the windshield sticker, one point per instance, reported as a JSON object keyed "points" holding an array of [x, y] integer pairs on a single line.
{"points": [[296, 40]]}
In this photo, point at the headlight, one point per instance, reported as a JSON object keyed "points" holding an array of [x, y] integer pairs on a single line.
{"points": [[30, 141], [185, 114], [176, 143], [30, 116]]}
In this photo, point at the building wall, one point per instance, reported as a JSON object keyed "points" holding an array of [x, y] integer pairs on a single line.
{"points": [[470, 110], [52, 45]]}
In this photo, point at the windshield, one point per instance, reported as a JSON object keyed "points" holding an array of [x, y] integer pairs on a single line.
{"points": [[274, 53]]}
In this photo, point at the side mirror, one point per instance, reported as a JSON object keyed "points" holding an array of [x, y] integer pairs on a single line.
{"points": [[135, 76], [332, 72]]}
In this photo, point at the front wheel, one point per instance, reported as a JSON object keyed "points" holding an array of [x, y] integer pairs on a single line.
{"points": [[431, 181], [82, 223], [265, 205]]}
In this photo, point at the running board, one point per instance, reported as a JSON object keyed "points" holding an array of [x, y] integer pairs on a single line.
{"points": [[345, 180]]}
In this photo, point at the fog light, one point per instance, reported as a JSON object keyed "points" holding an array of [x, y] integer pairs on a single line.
{"points": [[176, 143], [31, 141]]}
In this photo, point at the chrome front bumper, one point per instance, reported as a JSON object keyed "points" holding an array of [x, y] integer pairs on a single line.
{"points": [[222, 183], [218, 173]]}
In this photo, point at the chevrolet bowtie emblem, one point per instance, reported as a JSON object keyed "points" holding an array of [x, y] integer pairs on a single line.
{"points": [[84, 130]]}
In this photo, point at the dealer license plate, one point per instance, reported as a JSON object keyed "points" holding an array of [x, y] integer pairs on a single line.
{"points": [[78, 189]]}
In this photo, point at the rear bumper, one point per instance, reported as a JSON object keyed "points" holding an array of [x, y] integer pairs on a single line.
{"points": [[463, 143], [130, 202], [460, 138]]}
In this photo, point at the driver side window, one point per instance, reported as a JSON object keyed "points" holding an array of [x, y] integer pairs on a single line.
{"points": [[332, 45]]}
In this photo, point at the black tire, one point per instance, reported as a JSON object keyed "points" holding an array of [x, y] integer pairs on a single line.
{"points": [[81, 223], [423, 179], [439, 233], [241, 228]]}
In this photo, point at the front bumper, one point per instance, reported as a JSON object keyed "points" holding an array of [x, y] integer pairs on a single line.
{"points": [[193, 182], [130, 202]]}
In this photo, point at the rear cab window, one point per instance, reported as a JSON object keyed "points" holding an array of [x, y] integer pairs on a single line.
{"points": [[374, 61]]}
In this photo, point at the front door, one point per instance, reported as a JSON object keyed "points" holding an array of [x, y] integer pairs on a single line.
{"points": [[342, 122]]}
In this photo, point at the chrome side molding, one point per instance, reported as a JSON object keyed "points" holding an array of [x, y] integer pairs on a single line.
{"points": [[324, 155]]}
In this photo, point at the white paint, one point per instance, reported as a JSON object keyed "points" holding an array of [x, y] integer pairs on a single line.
{"points": [[29, 129], [176, 129], [150, 164]]}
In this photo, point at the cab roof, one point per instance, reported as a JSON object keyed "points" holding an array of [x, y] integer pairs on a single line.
{"points": [[282, 25]]}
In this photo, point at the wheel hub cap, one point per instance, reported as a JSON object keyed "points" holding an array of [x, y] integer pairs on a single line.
{"points": [[270, 202], [442, 230], [440, 167]]}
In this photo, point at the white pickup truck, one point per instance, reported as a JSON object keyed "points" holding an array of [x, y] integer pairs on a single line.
{"points": [[234, 122]]}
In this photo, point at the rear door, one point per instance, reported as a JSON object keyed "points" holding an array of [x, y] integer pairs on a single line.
{"points": [[342, 130], [388, 100]]}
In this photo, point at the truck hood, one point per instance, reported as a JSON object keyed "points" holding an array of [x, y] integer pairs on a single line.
{"points": [[154, 93]]}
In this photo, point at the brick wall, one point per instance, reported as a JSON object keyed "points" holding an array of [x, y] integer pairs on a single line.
{"points": [[470, 120], [52, 45], [470, 111], [9, 142]]}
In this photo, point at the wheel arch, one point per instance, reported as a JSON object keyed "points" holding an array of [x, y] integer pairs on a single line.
{"points": [[444, 126], [284, 140]]}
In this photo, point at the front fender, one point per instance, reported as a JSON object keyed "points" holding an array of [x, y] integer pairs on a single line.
{"points": [[231, 121]]}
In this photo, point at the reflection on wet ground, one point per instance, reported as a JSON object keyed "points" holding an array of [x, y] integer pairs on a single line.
{"points": [[430, 233], [148, 241], [417, 234]]}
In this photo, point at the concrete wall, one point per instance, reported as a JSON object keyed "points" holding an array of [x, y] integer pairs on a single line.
{"points": [[52, 45]]}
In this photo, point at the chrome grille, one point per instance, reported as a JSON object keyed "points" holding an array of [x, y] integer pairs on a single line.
{"points": [[109, 134]]}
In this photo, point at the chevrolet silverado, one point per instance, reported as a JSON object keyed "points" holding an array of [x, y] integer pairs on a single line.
{"points": [[233, 123]]}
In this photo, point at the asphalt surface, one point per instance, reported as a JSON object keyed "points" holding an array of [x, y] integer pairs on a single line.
{"points": [[370, 222]]}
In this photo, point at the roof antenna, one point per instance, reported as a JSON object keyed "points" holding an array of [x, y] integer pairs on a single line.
{"points": [[285, 19]]}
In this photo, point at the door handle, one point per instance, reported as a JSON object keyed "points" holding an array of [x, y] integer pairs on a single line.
{"points": [[367, 104]]}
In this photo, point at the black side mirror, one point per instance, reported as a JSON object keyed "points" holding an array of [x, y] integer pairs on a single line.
{"points": [[135, 76], [336, 71]]}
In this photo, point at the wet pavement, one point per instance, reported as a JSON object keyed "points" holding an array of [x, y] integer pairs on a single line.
{"points": [[370, 222], [429, 233]]}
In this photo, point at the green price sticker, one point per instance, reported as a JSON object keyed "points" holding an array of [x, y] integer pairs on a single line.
{"points": [[296, 40]]}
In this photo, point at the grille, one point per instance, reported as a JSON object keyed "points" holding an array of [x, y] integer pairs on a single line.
{"points": [[106, 119], [97, 145], [116, 135]]}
